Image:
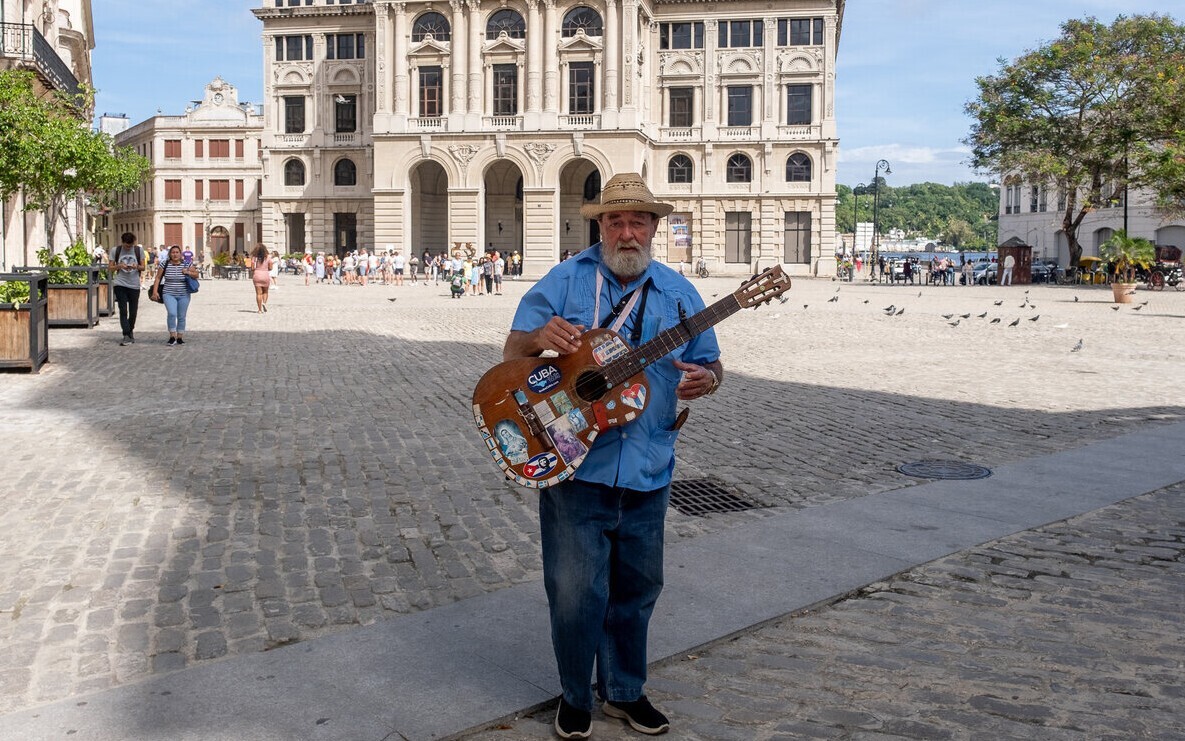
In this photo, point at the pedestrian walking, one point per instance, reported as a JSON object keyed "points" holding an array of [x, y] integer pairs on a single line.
{"points": [[172, 287], [126, 267], [261, 277]]}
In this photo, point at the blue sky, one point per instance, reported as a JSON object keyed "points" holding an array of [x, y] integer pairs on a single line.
{"points": [[905, 68]]}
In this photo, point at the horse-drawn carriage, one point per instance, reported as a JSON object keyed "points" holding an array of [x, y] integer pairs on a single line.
{"points": [[1166, 270]]}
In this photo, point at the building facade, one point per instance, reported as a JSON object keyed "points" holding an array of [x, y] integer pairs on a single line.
{"points": [[1033, 214], [442, 127], [207, 172], [53, 39]]}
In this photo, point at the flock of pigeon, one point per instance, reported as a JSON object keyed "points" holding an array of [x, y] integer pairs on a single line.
{"points": [[894, 310]]}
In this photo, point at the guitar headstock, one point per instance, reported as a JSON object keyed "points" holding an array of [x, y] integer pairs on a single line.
{"points": [[761, 289]]}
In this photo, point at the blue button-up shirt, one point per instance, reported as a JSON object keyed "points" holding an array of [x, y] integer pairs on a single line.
{"points": [[639, 455]]}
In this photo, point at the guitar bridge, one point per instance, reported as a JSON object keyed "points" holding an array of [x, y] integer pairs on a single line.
{"points": [[527, 412]]}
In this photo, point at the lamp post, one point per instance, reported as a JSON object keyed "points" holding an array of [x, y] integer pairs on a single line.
{"points": [[876, 200]]}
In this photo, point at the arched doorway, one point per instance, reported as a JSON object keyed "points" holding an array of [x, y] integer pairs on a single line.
{"points": [[504, 207], [219, 241], [429, 209], [580, 183]]}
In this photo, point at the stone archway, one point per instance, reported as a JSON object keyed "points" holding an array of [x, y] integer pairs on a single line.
{"points": [[580, 183], [429, 228], [503, 185]]}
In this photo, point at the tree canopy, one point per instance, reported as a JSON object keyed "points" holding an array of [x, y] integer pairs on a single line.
{"points": [[1090, 113], [962, 215], [48, 153]]}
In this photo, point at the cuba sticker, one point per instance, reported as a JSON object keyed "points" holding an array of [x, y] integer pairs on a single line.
{"points": [[544, 379], [539, 466], [634, 396]]}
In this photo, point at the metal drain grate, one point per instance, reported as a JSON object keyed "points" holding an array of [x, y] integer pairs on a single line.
{"points": [[944, 470], [699, 497]]}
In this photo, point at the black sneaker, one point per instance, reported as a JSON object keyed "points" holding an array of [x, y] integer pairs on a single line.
{"points": [[180, 341], [125, 341], [172, 341], [572, 723], [641, 715]]}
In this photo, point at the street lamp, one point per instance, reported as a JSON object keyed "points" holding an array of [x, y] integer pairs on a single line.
{"points": [[876, 199]]}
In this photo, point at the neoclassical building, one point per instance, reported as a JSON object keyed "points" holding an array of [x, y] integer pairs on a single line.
{"points": [[206, 176], [52, 39], [432, 125]]}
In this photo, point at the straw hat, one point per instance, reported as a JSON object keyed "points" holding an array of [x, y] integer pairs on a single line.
{"points": [[625, 192]]}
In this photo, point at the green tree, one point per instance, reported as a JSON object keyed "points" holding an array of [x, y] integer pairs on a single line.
{"points": [[958, 233], [48, 154], [1100, 107]]}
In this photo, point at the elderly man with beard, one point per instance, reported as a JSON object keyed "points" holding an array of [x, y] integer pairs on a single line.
{"points": [[602, 530]]}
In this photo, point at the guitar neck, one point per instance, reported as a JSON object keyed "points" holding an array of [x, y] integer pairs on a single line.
{"points": [[664, 342]]}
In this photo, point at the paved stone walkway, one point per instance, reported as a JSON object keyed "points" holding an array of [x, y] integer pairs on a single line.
{"points": [[288, 475]]}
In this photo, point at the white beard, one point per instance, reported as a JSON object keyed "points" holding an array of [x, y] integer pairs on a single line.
{"points": [[626, 265]]}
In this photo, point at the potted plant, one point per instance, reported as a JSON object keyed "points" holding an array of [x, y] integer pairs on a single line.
{"points": [[73, 287], [24, 321], [1127, 254]]}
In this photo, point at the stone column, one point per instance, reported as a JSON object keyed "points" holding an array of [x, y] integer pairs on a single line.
{"points": [[457, 61], [399, 62], [551, 62], [612, 55], [535, 34], [476, 33], [384, 58], [629, 83]]}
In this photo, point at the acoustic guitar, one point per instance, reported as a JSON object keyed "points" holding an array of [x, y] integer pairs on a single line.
{"points": [[539, 416]]}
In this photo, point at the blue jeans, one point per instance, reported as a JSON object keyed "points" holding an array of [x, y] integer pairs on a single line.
{"points": [[177, 306], [602, 568]]}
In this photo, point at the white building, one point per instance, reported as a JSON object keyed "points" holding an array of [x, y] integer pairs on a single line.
{"points": [[206, 175], [53, 39], [1033, 214], [441, 127]]}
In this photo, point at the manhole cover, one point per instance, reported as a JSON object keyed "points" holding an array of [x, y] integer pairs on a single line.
{"points": [[699, 497], [944, 470]]}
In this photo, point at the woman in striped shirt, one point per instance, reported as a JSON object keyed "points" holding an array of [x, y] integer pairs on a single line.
{"points": [[173, 288]]}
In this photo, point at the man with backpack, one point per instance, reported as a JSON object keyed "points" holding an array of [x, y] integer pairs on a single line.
{"points": [[125, 268]]}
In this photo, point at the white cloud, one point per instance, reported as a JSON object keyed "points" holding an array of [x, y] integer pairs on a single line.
{"points": [[903, 153]]}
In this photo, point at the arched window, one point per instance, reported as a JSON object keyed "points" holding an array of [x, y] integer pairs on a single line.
{"points": [[581, 18], [430, 23], [506, 20], [345, 173], [679, 169], [293, 172], [798, 168], [740, 169]]}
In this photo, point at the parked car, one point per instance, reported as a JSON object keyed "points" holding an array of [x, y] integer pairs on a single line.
{"points": [[1043, 271], [984, 274]]}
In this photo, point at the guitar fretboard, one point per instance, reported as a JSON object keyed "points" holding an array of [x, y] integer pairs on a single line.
{"points": [[636, 360]]}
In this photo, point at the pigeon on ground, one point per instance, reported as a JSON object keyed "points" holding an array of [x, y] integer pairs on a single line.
{"points": [[920, 294], [391, 299], [805, 305], [981, 316], [889, 309], [1114, 308], [947, 316], [837, 290], [900, 311], [865, 300], [1137, 308], [955, 323], [833, 299], [997, 303], [1015, 322], [1077, 347], [996, 320], [965, 316], [1034, 318], [1075, 299], [1145, 303], [1032, 306], [1026, 303]]}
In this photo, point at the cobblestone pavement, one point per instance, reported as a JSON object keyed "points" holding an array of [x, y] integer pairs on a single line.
{"points": [[1071, 631], [287, 475]]}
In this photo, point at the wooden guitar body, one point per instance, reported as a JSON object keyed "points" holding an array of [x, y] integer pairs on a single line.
{"points": [[539, 416]]}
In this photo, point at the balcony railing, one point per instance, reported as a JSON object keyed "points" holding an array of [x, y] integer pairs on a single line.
{"points": [[502, 122], [23, 42], [581, 121], [345, 139], [740, 132], [429, 123]]}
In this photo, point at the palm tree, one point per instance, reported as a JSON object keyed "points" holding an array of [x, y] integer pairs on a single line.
{"points": [[1128, 253]]}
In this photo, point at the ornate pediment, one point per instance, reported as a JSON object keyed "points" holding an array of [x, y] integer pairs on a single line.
{"points": [[678, 64], [344, 76], [796, 62], [428, 47], [504, 44], [582, 42], [740, 63], [292, 76]]}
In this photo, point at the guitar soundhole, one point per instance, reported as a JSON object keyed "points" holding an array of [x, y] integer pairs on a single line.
{"points": [[591, 386]]}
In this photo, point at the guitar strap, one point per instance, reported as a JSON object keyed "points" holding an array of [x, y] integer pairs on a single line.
{"points": [[623, 309]]}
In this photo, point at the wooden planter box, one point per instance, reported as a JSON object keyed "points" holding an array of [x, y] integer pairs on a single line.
{"points": [[24, 329], [106, 294], [72, 304]]}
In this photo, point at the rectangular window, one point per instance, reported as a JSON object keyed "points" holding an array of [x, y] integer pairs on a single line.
{"points": [[293, 114], [682, 102], [739, 34], [738, 237], [1042, 196], [505, 80], [220, 148], [345, 114], [800, 31], [797, 238], [219, 190], [198, 148], [199, 190], [345, 46], [240, 234], [238, 149], [172, 149], [198, 237], [581, 89], [431, 92], [172, 190], [740, 105], [681, 35], [798, 104], [1061, 199], [239, 190], [1033, 199], [294, 48], [173, 231]]}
